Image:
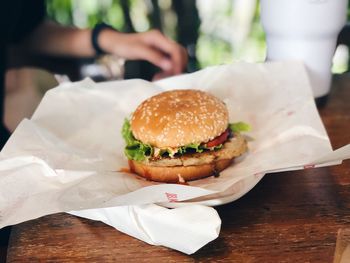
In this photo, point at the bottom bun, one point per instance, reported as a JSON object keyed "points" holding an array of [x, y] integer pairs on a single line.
{"points": [[176, 174]]}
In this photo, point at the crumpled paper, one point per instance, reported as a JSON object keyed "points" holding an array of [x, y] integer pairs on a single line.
{"points": [[69, 155], [185, 229]]}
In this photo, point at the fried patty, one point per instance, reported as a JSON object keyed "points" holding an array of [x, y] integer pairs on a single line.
{"points": [[232, 148]]}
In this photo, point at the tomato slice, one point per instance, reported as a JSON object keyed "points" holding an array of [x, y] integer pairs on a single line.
{"points": [[218, 140]]}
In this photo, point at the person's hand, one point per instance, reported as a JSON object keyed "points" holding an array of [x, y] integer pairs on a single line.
{"points": [[152, 46]]}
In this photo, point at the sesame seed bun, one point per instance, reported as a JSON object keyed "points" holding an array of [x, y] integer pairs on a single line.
{"points": [[179, 117], [175, 174]]}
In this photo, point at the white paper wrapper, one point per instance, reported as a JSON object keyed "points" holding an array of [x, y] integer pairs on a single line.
{"points": [[69, 156]]}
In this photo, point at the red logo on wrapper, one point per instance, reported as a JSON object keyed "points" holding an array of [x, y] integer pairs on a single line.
{"points": [[171, 197], [309, 166]]}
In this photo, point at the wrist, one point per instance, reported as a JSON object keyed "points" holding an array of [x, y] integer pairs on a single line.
{"points": [[107, 40]]}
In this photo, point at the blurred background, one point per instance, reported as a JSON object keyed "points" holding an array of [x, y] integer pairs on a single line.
{"points": [[213, 32]]}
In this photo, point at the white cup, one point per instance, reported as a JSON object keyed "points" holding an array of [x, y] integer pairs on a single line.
{"points": [[305, 30]]}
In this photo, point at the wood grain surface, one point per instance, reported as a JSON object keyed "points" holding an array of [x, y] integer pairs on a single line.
{"points": [[287, 217]]}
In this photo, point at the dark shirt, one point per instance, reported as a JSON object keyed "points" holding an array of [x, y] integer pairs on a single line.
{"points": [[18, 18]]}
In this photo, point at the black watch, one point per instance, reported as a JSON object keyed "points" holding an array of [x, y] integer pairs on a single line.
{"points": [[94, 37]]}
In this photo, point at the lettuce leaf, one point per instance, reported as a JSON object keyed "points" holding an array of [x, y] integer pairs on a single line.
{"points": [[239, 127], [138, 151], [196, 147], [134, 149]]}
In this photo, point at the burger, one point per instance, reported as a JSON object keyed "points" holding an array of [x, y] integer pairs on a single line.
{"points": [[182, 135]]}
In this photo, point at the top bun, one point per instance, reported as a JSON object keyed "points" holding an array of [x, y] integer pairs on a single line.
{"points": [[179, 117]]}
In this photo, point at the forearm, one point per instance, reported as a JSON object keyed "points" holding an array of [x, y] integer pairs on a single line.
{"points": [[53, 39]]}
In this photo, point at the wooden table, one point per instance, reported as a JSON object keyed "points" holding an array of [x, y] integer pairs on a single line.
{"points": [[287, 217]]}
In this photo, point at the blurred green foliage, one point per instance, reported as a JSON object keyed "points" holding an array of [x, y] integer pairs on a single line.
{"points": [[86, 13], [60, 11]]}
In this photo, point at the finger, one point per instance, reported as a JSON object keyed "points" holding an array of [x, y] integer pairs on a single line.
{"points": [[154, 56], [171, 48], [161, 75]]}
